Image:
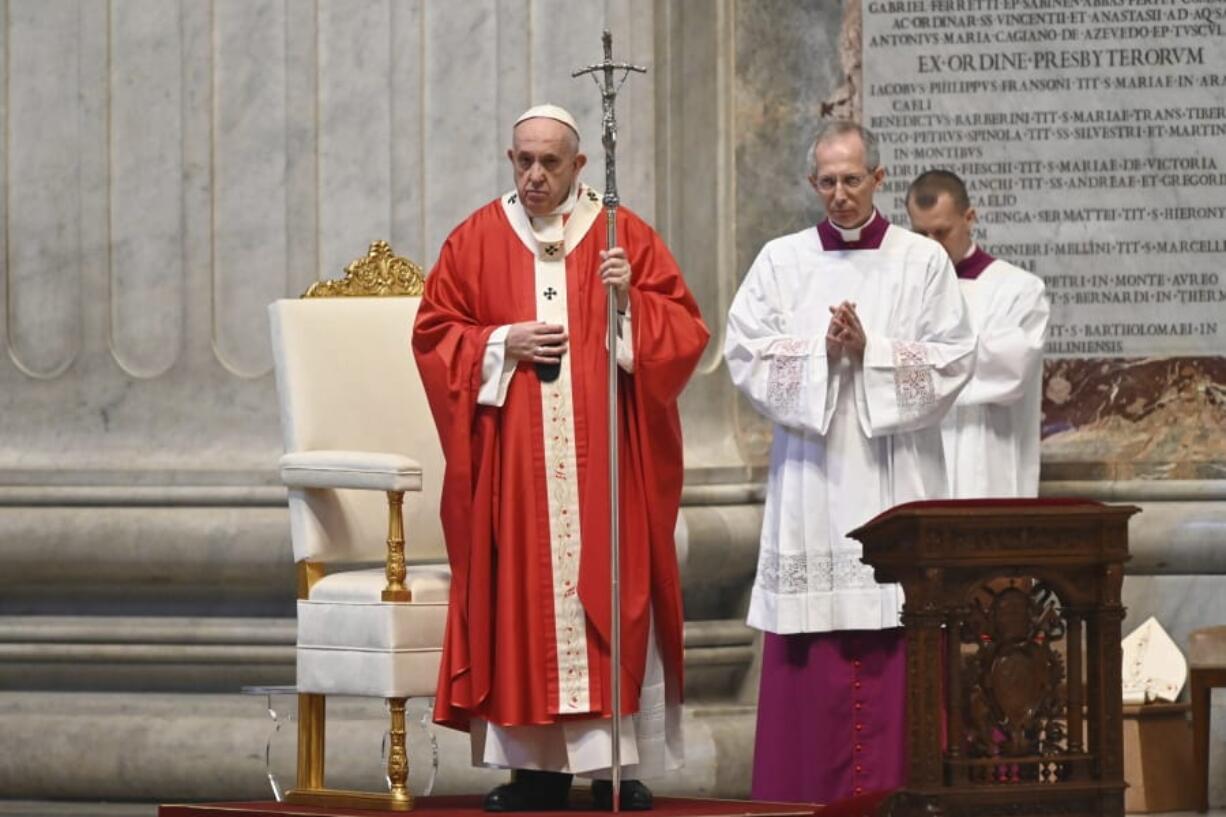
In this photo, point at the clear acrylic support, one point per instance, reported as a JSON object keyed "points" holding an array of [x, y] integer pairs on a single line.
{"points": [[281, 703], [353, 723]]}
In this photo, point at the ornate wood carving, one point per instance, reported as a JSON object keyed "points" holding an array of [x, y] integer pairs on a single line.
{"points": [[1013, 639], [1013, 681]]}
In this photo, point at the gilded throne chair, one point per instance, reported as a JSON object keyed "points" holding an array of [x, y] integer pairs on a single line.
{"points": [[359, 437]]}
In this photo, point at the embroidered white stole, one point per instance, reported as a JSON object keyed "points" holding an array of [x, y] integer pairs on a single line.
{"points": [[550, 248]]}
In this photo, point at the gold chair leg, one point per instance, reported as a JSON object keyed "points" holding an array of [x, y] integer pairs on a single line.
{"points": [[312, 713], [395, 590], [310, 790], [398, 755]]}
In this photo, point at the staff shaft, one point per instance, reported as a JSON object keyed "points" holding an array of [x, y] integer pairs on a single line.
{"points": [[615, 649], [608, 96]]}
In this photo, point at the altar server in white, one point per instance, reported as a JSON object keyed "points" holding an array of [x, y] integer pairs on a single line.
{"points": [[852, 338], [992, 434]]}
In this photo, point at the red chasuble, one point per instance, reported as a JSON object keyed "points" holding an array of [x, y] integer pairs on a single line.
{"points": [[527, 641]]}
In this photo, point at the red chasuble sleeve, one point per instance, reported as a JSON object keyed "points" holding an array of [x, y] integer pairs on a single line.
{"points": [[449, 347], [669, 338]]}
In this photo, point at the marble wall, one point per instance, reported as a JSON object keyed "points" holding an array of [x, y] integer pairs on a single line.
{"points": [[173, 167], [782, 90], [1160, 418]]}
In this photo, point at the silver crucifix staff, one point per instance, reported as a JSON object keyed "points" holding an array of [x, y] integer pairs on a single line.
{"points": [[608, 94]]}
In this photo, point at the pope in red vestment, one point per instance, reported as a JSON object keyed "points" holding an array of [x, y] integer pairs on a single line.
{"points": [[511, 344]]}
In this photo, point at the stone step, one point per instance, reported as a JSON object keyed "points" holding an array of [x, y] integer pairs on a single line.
{"points": [[114, 556], [160, 747], [224, 654]]}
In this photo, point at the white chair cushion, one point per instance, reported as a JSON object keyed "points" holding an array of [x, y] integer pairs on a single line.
{"points": [[401, 674], [350, 469], [427, 583], [344, 611], [352, 643], [387, 626]]}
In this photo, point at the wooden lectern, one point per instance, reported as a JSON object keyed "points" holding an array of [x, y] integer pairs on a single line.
{"points": [[1012, 620]]}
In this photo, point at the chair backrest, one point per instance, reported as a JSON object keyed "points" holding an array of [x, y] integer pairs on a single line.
{"points": [[347, 380]]}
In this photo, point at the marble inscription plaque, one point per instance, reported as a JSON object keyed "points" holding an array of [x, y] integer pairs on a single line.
{"points": [[1092, 136]]}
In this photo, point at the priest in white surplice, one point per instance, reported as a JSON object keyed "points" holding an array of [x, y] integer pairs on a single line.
{"points": [[992, 434], [853, 339]]}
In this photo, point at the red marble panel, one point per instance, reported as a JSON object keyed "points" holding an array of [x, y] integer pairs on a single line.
{"points": [[1134, 418]]}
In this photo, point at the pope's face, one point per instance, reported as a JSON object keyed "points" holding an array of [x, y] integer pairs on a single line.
{"points": [[545, 156], [943, 223], [844, 181]]}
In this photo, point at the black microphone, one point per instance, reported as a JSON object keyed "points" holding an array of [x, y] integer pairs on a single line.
{"points": [[548, 372]]}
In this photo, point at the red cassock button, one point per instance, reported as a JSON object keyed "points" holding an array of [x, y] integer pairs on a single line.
{"points": [[859, 790], [859, 747], [857, 664], [859, 705], [855, 685], [859, 769], [859, 727]]}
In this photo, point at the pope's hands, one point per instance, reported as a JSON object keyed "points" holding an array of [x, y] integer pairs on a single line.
{"points": [[536, 342], [615, 270], [845, 333], [545, 343]]}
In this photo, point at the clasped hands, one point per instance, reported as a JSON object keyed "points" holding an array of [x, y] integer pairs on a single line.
{"points": [[545, 343], [845, 333]]}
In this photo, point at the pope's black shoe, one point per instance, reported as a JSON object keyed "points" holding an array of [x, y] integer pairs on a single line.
{"points": [[531, 791], [634, 795]]}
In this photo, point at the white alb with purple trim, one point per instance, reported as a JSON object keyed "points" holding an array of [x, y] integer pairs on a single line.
{"points": [[850, 440]]}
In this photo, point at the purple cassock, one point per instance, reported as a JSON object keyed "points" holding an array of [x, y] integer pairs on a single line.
{"points": [[831, 715]]}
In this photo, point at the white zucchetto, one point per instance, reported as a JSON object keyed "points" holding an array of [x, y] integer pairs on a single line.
{"points": [[555, 112]]}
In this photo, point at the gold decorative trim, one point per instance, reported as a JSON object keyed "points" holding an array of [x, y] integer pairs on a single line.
{"points": [[380, 273], [346, 799]]}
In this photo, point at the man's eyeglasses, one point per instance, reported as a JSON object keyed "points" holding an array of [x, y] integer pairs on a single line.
{"points": [[827, 184]]}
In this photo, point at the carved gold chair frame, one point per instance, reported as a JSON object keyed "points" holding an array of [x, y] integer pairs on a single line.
{"points": [[379, 274]]}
